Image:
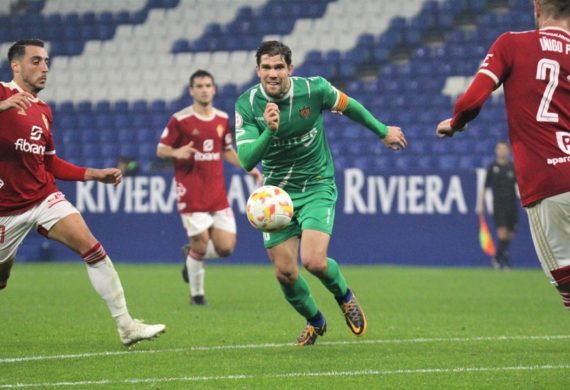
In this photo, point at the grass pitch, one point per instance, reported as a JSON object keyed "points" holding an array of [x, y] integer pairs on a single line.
{"points": [[428, 329]]}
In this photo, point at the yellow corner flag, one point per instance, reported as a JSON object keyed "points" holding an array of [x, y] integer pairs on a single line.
{"points": [[485, 238]]}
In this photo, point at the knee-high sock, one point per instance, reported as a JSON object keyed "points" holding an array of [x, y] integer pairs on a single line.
{"points": [[299, 296], [196, 272], [333, 279], [106, 282]]}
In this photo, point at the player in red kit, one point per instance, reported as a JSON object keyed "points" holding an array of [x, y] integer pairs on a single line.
{"points": [[534, 68], [29, 196], [198, 139]]}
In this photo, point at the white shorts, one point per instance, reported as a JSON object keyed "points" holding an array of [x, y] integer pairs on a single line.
{"points": [[14, 228], [196, 223], [549, 221]]}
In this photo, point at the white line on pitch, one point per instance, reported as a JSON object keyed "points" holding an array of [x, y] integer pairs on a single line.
{"points": [[283, 345], [456, 370]]}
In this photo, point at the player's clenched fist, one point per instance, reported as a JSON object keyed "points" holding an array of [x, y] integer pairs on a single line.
{"points": [[271, 116], [445, 130], [395, 138], [106, 175]]}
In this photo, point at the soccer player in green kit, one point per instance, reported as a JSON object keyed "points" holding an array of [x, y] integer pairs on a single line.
{"points": [[280, 123]]}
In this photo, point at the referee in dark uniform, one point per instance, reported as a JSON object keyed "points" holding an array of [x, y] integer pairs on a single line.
{"points": [[502, 182]]}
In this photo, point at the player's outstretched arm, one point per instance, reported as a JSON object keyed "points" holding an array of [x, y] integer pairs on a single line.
{"points": [[392, 136], [64, 170], [468, 106], [106, 175]]}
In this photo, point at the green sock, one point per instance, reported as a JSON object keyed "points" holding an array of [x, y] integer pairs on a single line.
{"points": [[334, 280], [299, 296]]}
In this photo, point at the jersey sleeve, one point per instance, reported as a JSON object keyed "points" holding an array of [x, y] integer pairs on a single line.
{"points": [[50, 142], [498, 61], [171, 134], [332, 98], [252, 139], [246, 128], [227, 141]]}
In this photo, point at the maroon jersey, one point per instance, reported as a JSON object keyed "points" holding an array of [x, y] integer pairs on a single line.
{"points": [[25, 138], [534, 67], [199, 180]]}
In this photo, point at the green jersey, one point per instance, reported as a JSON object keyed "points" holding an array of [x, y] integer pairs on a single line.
{"points": [[298, 155]]}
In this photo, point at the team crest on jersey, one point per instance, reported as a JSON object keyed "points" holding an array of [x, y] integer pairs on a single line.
{"points": [[305, 112], [195, 132], [46, 123], [220, 130], [22, 112]]}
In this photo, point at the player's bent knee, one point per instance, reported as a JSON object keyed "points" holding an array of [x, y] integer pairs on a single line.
{"points": [[224, 252], [94, 255], [286, 277], [315, 265]]}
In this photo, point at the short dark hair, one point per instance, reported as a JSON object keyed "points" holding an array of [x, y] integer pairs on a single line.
{"points": [[556, 8], [201, 73], [273, 48], [18, 49]]}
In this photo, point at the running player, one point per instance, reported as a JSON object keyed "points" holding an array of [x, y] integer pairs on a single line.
{"points": [[280, 123], [502, 182], [29, 196], [196, 139], [534, 68]]}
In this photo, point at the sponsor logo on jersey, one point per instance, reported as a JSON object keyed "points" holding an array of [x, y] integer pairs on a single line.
{"points": [[305, 112], [28, 147], [563, 140], [306, 139], [36, 133], [180, 190], [208, 145], [209, 156]]}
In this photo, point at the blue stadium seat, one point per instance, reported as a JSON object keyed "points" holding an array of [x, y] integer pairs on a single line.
{"points": [[110, 151], [90, 135], [108, 136]]}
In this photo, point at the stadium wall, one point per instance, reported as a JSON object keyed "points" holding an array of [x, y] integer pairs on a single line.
{"points": [[420, 218]]}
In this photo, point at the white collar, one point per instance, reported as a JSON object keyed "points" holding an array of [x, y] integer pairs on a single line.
{"points": [[13, 85]]}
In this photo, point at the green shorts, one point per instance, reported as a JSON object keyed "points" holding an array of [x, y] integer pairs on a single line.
{"points": [[313, 209]]}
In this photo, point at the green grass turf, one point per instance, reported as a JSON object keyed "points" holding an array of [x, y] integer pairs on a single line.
{"points": [[422, 334]]}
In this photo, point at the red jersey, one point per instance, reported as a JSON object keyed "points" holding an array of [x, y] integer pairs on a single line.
{"points": [[199, 180], [25, 138], [534, 67]]}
